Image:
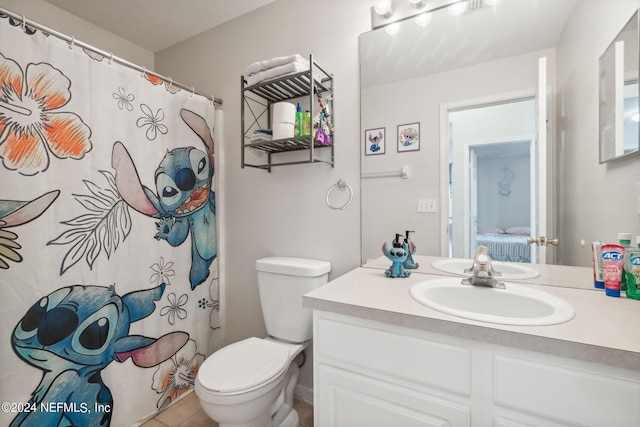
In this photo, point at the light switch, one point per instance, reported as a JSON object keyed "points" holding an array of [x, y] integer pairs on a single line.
{"points": [[427, 206]]}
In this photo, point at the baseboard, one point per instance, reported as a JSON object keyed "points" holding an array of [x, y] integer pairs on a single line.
{"points": [[304, 393]]}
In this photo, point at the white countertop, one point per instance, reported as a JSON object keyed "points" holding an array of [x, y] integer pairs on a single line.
{"points": [[604, 330]]}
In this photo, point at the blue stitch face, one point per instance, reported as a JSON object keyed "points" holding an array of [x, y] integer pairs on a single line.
{"points": [[183, 181], [72, 327], [397, 254]]}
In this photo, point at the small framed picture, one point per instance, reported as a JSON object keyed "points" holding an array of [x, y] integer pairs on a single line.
{"points": [[374, 141], [408, 137]]}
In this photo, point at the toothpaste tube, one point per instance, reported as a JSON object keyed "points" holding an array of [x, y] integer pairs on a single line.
{"points": [[613, 263], [633, 274], [598, 270]]}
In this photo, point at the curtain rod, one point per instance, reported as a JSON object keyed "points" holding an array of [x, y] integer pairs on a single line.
{"points": [[71, 40]]}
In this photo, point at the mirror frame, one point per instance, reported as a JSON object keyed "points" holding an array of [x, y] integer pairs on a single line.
{"points": [[611, 111]]}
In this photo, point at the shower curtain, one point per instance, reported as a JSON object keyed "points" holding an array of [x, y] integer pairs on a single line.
{"points": [[108, 250]]}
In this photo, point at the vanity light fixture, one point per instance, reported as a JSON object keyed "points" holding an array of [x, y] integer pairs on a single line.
{"points": [[387, 12]]}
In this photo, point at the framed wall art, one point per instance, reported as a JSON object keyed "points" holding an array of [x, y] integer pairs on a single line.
{"points": [[374, 141], [408, 137]]}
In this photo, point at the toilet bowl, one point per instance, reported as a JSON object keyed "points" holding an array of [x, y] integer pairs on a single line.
{"points": [[239, 384], [251, 383]]}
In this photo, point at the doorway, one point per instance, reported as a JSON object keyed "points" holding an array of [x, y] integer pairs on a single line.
{"points": [[493, 179]]}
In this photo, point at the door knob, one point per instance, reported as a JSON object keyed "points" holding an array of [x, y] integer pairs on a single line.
{"points": [[542, 241]]}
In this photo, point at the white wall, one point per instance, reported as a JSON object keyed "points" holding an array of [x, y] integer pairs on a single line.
{"points": [[596, 201], [504, 212], [282, 212], [66, 23]]}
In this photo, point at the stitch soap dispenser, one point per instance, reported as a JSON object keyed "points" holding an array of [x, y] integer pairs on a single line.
{"points": [[411, 249], [397, 254]]}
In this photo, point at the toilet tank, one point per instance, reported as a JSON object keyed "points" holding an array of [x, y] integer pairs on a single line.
{"points": [[282, 281]]}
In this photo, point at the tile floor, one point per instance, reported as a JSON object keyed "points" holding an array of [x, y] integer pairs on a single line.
{"points": [[188, 413]]}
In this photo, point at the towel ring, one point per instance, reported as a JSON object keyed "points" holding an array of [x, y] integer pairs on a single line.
{"points": [[342, 185]]}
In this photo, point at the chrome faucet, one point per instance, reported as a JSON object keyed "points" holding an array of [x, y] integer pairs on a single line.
{"points": [[482, 273]]}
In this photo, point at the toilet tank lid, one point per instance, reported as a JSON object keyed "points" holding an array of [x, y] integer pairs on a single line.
{"points": [[293, 266]]}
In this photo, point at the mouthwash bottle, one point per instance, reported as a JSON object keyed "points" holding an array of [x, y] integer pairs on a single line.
{"points": [[624, 239], [633, 273]]}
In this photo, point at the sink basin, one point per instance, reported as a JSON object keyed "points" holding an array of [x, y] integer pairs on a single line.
{"points": [[509, 270], [515, 305]]}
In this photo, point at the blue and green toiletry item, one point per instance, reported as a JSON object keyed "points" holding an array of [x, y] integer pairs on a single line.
{"points": [[409, 263], [398, 254]]}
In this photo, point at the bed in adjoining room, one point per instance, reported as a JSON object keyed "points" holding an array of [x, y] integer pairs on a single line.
{"points": [[506, 245]]}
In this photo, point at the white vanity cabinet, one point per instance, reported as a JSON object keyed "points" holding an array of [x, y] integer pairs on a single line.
{"points": [[370, 373]]}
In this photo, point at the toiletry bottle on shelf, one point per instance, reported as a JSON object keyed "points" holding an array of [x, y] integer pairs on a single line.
{"points": [[306, 123], [298, 125], [624, 239], [633, 273]]}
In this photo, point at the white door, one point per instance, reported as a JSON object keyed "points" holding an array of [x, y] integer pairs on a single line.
{"points": [[543, 193]]}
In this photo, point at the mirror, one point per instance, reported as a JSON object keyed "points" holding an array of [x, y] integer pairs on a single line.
{"points": [[619, 107], [488, 56]]}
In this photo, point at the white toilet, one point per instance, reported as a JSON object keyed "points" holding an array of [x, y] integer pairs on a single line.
{"points": [[250, 383]]}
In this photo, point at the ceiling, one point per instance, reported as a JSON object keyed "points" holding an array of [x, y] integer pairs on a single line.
{"points": [[157, 24], [484, 34]]}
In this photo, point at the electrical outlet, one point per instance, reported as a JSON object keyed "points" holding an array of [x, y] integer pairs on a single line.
{"points": [[427, 206]]}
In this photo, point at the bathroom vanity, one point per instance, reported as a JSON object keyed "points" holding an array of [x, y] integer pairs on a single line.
{"points": [[381, 358]]}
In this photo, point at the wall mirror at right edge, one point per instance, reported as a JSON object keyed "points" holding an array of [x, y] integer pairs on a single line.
{"points": [[619, 91], [484, 127]]}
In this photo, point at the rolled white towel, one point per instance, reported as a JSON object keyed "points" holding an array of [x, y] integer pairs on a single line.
{"points": [[281, 70], [256, 67]]}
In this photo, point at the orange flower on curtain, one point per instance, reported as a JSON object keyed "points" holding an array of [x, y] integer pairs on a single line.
{"points": [[177, 375], [32, 126]]}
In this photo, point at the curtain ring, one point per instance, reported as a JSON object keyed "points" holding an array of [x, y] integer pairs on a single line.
{"points": [[110, 57], [193, 91], [72, 42], [342, 185], [24, 22]]}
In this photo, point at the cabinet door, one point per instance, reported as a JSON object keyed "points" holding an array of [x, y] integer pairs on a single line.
{"points": [[347, 399], [573, 392]]}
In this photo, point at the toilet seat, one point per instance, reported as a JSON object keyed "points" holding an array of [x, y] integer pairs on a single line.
{"points": [[235, 368]]}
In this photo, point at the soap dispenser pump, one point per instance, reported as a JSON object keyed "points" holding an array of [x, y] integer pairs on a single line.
{"points": [[397, 254], [411, 249]]}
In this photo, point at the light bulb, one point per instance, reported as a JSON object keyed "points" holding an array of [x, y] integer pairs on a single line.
{"points": [[423, 19], [458, 9], [392, 29], [383, 8]]}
